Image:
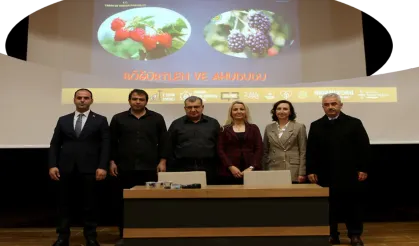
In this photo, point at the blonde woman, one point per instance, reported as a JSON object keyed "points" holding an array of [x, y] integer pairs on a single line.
{"points": [[240, 146], [285, 142]]}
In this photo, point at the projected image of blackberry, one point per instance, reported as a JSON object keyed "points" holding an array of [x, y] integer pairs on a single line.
{"points": [[144, 33], [248, 34]]}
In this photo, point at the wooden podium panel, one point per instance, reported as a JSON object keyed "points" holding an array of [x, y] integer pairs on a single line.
{"points": [[295, 214]]}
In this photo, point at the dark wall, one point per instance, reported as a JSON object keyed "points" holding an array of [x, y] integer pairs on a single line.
{"points": [[27, 194]]}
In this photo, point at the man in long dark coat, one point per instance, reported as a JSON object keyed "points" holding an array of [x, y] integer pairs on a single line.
{"points": [[338, 156]]}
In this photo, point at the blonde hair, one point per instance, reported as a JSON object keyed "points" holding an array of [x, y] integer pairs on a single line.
{"points": [[230, 120]]}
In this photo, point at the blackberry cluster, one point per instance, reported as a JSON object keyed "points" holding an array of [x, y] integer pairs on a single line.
{"points": [[236, 41], [260, 22], [258, 42]]}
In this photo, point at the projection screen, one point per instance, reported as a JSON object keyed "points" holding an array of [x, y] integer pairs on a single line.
{"points": [[258, 52]]}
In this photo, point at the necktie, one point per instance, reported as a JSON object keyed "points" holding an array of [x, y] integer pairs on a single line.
{"points": [[78, 124]]}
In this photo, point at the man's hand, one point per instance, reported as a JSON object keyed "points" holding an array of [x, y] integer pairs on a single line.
{"points": [[113, 169], [162, 166], [312, 178], [100, 174], [362, 176], [54, 173], [301, 179]]}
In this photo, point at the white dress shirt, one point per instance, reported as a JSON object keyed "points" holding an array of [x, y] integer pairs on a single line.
{"points": [[83, 119], [281, 130], [334, 118]]}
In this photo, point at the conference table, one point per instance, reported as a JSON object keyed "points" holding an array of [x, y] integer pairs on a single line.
{"points": [[288, 215]]}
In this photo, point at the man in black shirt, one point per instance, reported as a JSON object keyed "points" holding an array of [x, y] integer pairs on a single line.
{"points": [[193, 141], [138, 145]]}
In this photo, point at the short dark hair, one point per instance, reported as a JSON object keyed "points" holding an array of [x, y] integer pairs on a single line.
{"points": [[193, 99], [83, 89], [138, 92], [292, 116]]}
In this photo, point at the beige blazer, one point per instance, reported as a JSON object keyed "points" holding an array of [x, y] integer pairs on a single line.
{"points": [[287, 152]]}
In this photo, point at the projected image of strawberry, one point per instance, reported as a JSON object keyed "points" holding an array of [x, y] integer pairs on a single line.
{"points": [[117, 24], [248, 33], [144, 33], [137, 34], [121, 35]]}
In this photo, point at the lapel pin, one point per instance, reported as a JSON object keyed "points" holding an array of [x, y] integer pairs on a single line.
{"points": [[94, 115]]}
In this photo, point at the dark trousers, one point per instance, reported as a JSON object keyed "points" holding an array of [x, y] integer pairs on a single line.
{"points": [[346, 207], [206, 165], [88, 188], [127, 180], [230, 180]]}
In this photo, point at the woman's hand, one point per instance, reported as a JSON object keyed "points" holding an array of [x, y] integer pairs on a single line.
{"points": [[236, 172], [248, 169]]}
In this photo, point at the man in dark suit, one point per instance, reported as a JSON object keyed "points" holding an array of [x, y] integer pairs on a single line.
{"points": [[79, 151], [338, 155]]}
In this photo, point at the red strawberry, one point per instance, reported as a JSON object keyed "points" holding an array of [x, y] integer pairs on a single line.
{"points": [[117, 24], [149, 42], [165, 39], [121, 35], [137, 34]]}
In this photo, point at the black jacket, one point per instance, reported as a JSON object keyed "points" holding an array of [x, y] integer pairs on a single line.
{"points": [[87, 152], [337, 150]]}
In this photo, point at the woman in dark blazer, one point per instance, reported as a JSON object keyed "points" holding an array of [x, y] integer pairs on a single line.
{"points": [[240, 146]]}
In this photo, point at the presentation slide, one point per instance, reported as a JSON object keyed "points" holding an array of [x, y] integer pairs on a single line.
{"points": [[220, 50], [214, 43]]}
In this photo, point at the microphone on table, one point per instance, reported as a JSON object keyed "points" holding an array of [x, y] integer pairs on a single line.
{"points": [[191, 186]]}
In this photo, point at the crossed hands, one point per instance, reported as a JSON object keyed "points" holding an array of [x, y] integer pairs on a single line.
{"points": [[237, 173]]}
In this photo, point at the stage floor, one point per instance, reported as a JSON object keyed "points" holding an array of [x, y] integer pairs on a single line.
{"points": [[376, 234]]}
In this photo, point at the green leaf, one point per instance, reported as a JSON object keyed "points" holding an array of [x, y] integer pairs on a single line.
{"points": [[218, 42], [128, 48], [149, 23], [107, 41], [146, 18], [232, 20], [223, 30], [176, 34], [109, 45], [142, 26], [166, 28], [177, 44], [180, 24], [286, 31], [141, 22], [136, 55], [170, 29], [172, 50]]}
